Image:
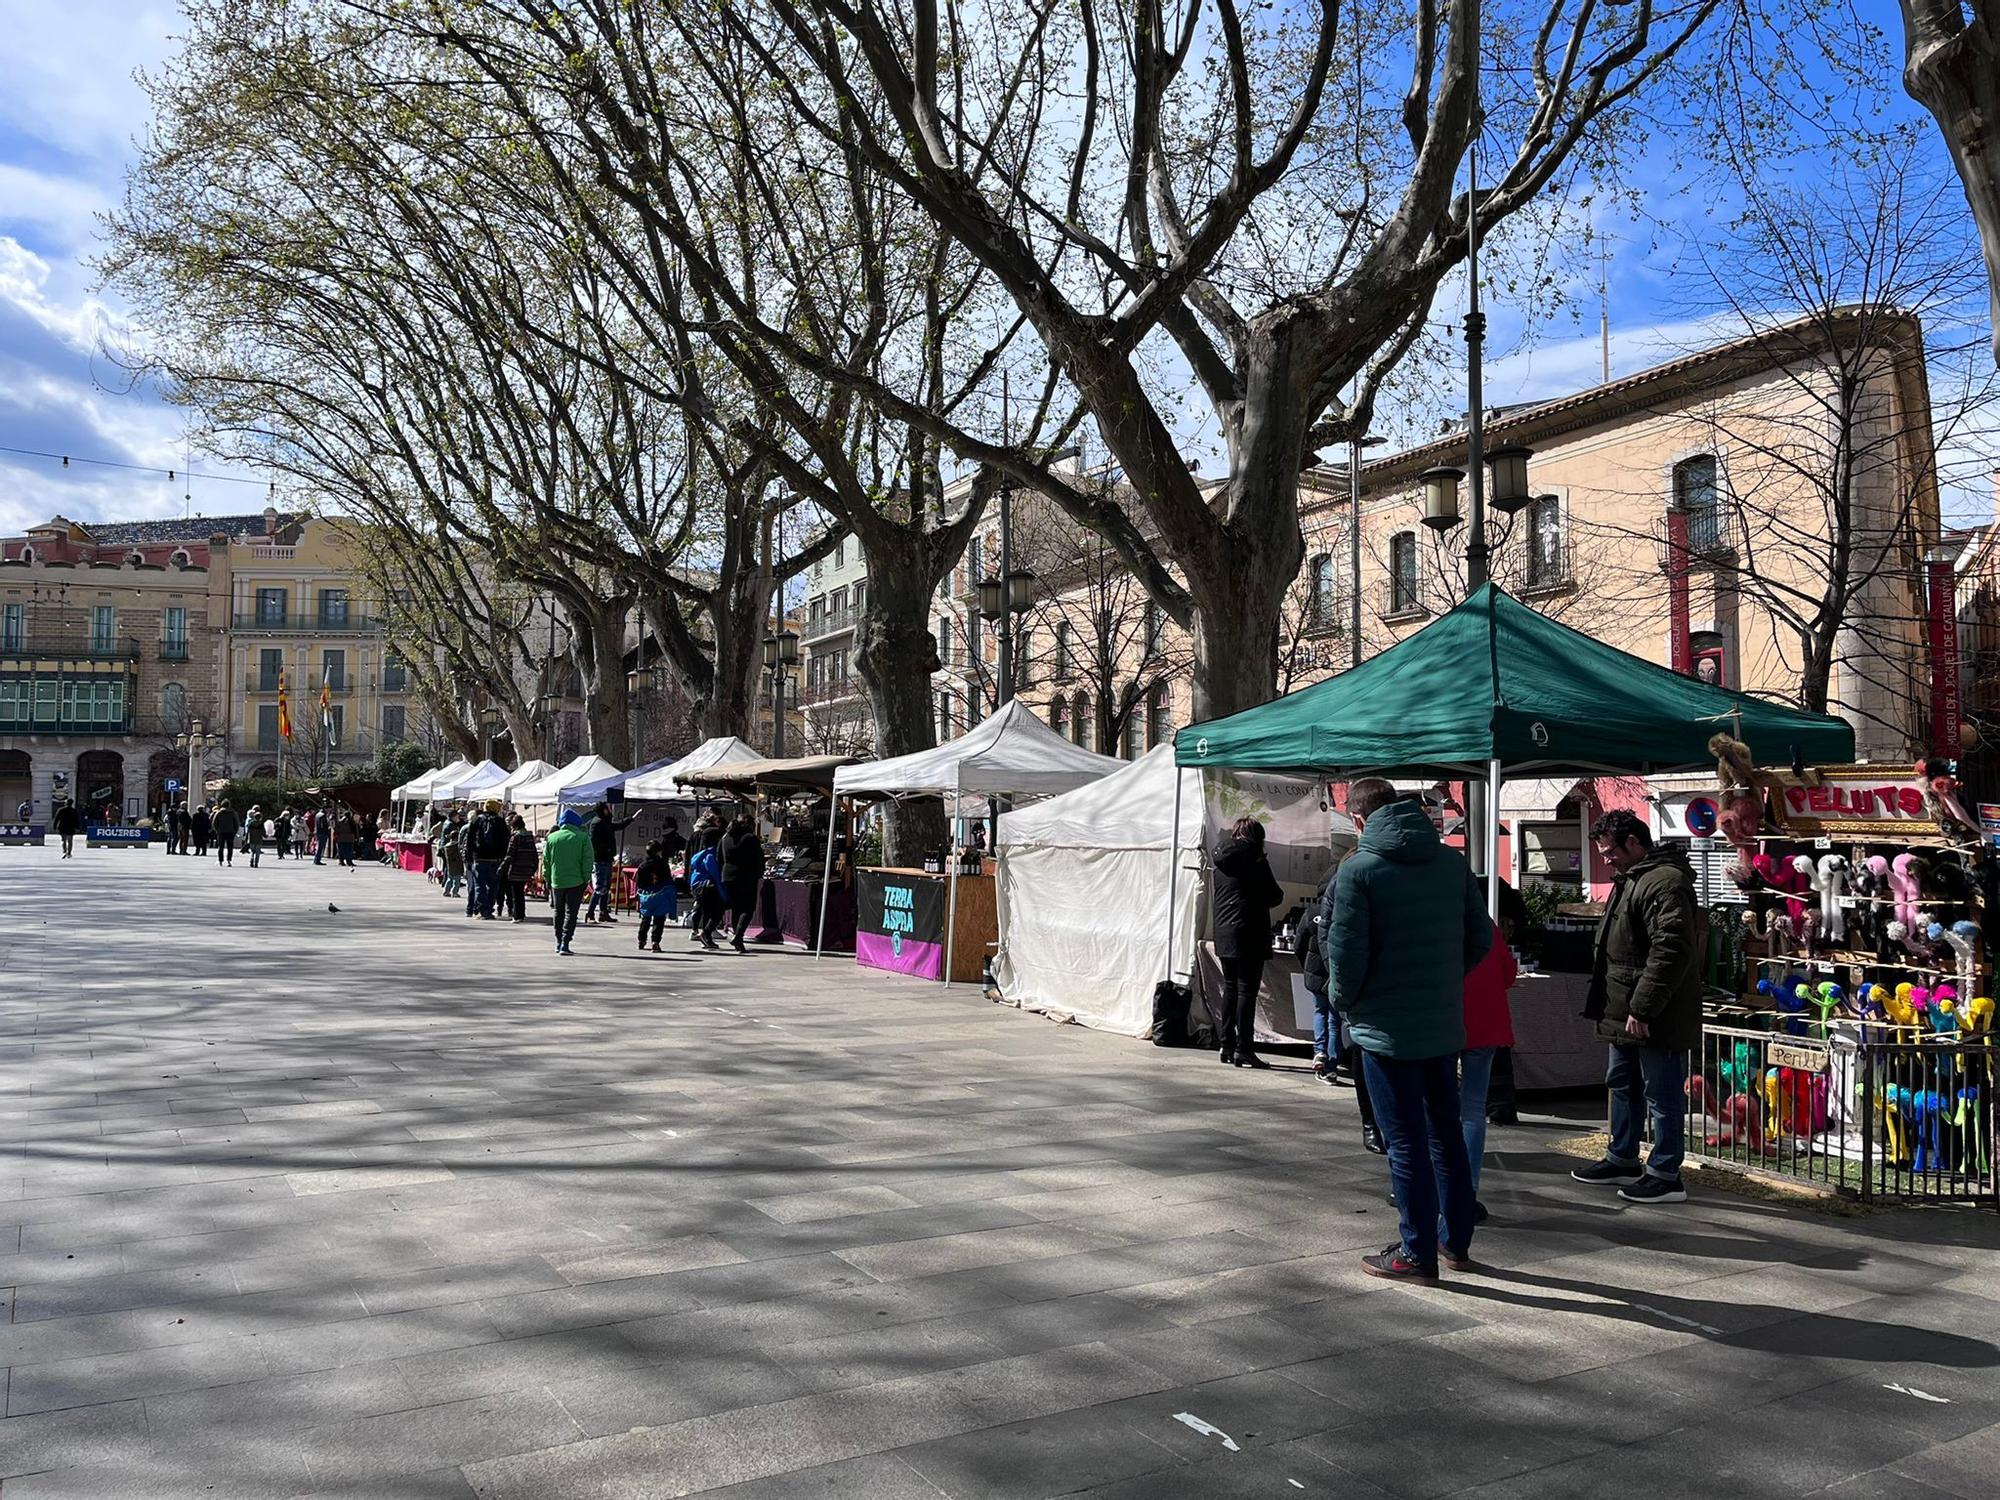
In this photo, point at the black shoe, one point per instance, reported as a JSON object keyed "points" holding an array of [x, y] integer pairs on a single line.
{"points": [[1250, 1060], [1228, 1058], [1479, 1214], [1394, 1265], [1371, 1141], [1608, 1174], [1457, 1260], [1651, 1189], [1502, 1117], [737, 944]]}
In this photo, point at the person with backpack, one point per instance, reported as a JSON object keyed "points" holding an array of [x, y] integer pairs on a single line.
{"points": [[566, 871], [486, 842], [705, 880], [519, 868]]}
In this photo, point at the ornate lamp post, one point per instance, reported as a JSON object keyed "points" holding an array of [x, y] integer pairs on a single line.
{"points": [[780, 651], [197, 745]]}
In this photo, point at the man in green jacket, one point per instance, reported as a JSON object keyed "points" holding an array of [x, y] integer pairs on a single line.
{"points": [[566, 872], [1645, 996], [1408, 925]]}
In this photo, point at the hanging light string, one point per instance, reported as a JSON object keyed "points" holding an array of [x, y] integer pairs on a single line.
{"points": [[171, 474]]}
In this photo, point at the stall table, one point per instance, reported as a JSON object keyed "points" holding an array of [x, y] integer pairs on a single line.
{"points": [[412, 854], [899, 922], [1554, 1047], [788, 912]]}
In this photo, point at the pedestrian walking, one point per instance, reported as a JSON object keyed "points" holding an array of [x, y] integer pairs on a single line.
{"points": [[486, 841], [176, 828], [198, 827], [322, 831], [1243, 892], [654, 881], [705, 884], [1645, 996], [566, 869], [346, 831], [604, 831], [254, 828], [740, 856], [522, 859], [449, 844], [223, 826], [281, 830], [67, 822], [1408, 926], [673, 847]]}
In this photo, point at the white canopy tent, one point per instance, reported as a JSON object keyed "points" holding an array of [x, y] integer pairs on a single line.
{"points": [[1011, 754], [665, 784], [1080, 876], [528, 771], [418, 789], [548, 791], [481, 778]]}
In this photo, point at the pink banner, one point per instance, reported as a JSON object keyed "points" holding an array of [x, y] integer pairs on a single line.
{"points": [[907, 956]]}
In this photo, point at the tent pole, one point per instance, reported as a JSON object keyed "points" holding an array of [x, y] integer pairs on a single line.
{"points": [[1492, 833], [826, 876], [951, 897], [1173, 868]]}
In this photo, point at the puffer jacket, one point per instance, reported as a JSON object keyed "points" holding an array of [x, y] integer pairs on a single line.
{"points": [[1244, 890], [1647, 961], [1409, 923], [566, 857], [522, 856]]}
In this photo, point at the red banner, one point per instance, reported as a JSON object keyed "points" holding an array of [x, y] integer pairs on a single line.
{"points": [[1680, 650], [1944, 659]]}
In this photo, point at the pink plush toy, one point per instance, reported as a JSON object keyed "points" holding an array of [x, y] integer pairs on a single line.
{"points": [[1906, 885]]}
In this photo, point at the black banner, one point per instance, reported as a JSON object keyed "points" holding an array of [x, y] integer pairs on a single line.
{"points": [[899, 922]]}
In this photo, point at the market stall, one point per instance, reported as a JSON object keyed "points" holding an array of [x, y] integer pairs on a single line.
{"points": [[667, 781], [1011, 754], [539, 801], [473, 783], [1495, 692], [418, 789], [801, 898]]}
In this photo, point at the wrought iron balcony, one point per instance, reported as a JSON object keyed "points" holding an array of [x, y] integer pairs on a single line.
{"points": [[349, 623], [80, 646]]}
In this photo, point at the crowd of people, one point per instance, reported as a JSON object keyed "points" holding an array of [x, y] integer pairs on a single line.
{"points": [[331, 830], [491, 858], [1410, 978]]}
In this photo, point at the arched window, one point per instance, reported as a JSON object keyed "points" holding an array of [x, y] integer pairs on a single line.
{"points": [[1159, 721], [1695, 495], [27, 554], [1080, 723], [180, 559], [1547, 561], [1062, 651], [1058, 714], [1322, 605], [1403, 572], [1135, 732]]}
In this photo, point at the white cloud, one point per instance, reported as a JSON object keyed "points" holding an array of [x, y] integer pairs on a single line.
{"points": [[85, 323], [66, 72], [65, 208]]}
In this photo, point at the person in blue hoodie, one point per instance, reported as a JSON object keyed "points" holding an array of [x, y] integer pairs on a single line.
{"points": [[1409, 923]]}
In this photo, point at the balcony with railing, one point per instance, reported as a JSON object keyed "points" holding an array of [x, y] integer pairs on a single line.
{"points": [[174, 649], [81, 646], [299, 690], [831, 690], [95, 704], [832, 622], [315, 622]]}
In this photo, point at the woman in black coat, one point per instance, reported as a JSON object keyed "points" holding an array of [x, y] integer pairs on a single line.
{"points": [[1244, 891], [741, 857]]}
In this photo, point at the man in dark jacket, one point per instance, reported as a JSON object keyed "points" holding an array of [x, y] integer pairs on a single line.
{"points": [[604, 831], [67, 823], [740, 861], [198, 823], [1645, 996], [1242, 891], [224, 827], [486, 843], [1408, 925]]}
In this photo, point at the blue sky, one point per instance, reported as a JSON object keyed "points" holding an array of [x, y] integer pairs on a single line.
{"points": [[70, 111]]}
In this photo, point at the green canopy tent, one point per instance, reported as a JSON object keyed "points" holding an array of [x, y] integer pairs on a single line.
{"points": [[1494, 689]]}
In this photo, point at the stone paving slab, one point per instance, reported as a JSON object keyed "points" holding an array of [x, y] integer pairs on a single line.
{"points": [[383, 1203]]}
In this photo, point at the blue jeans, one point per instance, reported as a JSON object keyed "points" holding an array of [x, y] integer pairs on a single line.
{"points": [[485, 885], [1647, 1083], [1475, 1075], [1416, 1109], [600, 891], [1326, 1030]]}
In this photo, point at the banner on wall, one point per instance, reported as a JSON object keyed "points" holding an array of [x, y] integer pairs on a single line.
{"points": [[1944, 659], [1296, 812]]}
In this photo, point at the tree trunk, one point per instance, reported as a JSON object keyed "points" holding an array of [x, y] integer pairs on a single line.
{"points": [[599, 642], [1953, 70], [896, 656], [530, 737]]}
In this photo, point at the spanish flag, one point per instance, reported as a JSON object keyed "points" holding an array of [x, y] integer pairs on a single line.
{"points": [[325, 701], [284, 709]]}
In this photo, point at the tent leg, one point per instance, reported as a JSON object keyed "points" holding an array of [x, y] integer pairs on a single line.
{"points": [[1173, 869], [951, 916], [1492, 834], [825, 880]]}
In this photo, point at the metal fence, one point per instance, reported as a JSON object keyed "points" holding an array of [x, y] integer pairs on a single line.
{"points": [[1865, 1110]]}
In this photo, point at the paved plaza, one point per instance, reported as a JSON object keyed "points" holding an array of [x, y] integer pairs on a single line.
{"points": [[379, 1202]]}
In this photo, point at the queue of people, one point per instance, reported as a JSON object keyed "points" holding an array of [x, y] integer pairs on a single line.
{"points": [[331, 829]]}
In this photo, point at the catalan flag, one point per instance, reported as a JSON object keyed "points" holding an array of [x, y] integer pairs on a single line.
{"points": [[284, 709], [325, 701]]}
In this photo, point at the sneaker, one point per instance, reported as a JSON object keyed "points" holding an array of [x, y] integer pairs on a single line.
{"points": [[1250, 1060], [656, 947], [1394, 1265], [1321, 1066], [1608, 1174], [1651, 1189]]}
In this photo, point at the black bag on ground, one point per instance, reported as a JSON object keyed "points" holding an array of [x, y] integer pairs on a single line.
{"points": [[1170, 1014]]}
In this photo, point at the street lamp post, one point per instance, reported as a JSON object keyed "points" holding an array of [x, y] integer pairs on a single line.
{"points": [[1354, 447], [1004, 597], [489, 724], [197, 745], [780, 651]]}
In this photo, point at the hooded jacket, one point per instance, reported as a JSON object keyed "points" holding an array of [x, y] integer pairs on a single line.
{"points": [[522, 856], [1648, 956], [1408, 925], [566, 857], [1244, 890]]}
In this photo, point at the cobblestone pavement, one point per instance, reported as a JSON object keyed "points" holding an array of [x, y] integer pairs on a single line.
{"points": [[379, 1202]]}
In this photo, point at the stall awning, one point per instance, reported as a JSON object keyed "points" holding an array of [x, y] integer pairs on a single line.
{"points": [[1011, 753], [601, 787], [669, 782], [418, 788], [1494, 680], [472, 782], [811, 773], [527, 772], [550, 788]]}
